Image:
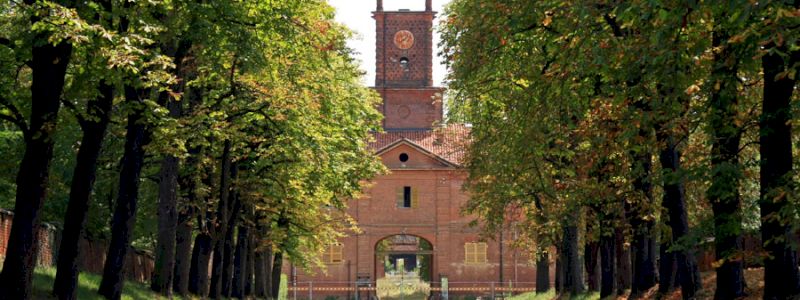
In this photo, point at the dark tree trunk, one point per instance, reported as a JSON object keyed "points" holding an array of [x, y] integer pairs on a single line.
{"points": [[167, 213], [560, 271], [94, 129], [198, 273], [124, 218], [543, 274], [188, 211], [667, 269], [240, 263], [726, 170], [48, 67], [216, 270], [260, 273], [250, 267], [277, 264], [608, 265], [227, 262], [573, 271], [623, 260], [781, 278], [221, 224], [680, 264], [268, 256], [591, 253], [642, 249], [183, 252]]}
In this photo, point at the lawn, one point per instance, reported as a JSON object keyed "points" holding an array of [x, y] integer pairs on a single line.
{"points": [[552, 295], [87, 287]]}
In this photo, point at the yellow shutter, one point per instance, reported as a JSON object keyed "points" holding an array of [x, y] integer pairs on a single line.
{"points": [[399, 200], [480, 255], [469, 253], [414, 198], [336, 253]]}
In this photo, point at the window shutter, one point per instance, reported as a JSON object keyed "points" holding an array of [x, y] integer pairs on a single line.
{"points": [[399, 200], [414, 198], [469, 253], [336, 253], [480, 255]]}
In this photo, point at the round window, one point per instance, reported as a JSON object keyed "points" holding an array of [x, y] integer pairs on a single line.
{"points": [[403, 157]]}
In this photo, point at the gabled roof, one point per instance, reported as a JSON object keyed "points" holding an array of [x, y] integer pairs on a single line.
{"points": [[447, 143], [405, 141]]}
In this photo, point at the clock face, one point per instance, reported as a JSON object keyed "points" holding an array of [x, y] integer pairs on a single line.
{"points": [[403, 39]]}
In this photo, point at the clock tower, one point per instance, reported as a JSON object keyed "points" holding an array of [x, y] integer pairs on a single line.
{"points": [[403, 71]]}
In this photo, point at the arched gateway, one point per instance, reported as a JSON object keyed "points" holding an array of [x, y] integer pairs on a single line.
{"points": [[403, 267]]}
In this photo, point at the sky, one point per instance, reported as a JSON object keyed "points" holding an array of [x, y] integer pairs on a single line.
{"points": [[357, 14]]}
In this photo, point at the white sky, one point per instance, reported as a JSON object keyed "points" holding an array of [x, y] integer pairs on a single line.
{"points": [[357, 14]]}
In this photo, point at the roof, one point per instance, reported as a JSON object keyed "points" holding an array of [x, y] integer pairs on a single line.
{"points": [[448, 142]]}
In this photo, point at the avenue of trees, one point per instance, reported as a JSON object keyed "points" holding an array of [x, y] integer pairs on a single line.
{"points": [[631, 135], [215, 133]]}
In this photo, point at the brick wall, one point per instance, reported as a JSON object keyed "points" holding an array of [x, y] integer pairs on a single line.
{"points": [[139, 265]]}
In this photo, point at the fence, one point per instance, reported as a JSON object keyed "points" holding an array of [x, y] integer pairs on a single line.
{"points": [[347, 290], [138, 264]]}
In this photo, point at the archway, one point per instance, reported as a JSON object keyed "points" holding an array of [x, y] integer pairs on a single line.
{"points": [[403, 267]]}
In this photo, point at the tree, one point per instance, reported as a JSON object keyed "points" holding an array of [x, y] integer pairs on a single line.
{"points": [[47, 82]]}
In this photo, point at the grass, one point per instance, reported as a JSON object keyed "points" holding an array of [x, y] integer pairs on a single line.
{"points": [[87, 287], [552, 295]]}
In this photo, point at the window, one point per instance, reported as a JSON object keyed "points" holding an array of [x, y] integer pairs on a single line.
{"points": [[407, 197], [475, 253], [334, 255], [403, 157]]}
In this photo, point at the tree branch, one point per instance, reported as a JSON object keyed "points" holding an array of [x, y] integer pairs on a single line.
{"points": [[15, 117]]}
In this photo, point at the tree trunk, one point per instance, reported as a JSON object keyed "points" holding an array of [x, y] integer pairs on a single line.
{"points": [[250, 267], [608, 265], [183, 252], [277, 264], [48, 67], [240, 263], [268, 256], [167, 213], [642, 253], [674, 203], [560, 271], [591, 253], [623, 260], [667, 269], [227, 262], [124, 217], [94, 129], [198, 273], [260, 273], [573, 275], [781, 278], [221, 224], [543, 273], [725, 169]]}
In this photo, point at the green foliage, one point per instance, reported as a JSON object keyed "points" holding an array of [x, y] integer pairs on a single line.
{"points": [[566, 96], [273, 78]]}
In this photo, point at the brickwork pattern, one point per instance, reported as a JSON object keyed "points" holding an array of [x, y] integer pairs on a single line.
{"points": [[419, 70]]}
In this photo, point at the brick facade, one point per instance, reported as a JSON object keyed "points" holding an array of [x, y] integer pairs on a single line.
{"points": [[432, 151]]}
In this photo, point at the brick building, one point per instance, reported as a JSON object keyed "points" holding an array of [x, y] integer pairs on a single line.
{"points": [[414, 212]]}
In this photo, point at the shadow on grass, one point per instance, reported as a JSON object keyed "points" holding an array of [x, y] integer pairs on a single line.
{"points": [[87, 287]]}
